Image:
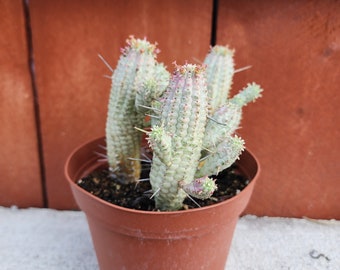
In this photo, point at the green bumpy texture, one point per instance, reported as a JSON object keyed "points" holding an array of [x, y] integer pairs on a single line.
{"points": [[177, 139], [136, 66], [220, 70], [194, 136], [220, 146], [193, 122]]}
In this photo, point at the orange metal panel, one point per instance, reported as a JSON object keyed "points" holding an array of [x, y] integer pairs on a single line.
{"points": [[294, 50], [68, 35], [20, 182]]}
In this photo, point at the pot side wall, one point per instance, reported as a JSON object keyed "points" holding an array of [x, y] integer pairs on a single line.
{"points": [[132, 239]]}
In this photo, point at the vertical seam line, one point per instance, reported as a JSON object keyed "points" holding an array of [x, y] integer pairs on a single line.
{"points": [[213, 36], [31, 67]]}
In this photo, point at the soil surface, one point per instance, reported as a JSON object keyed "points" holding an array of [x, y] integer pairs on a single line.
{"points": [[137, 195]]}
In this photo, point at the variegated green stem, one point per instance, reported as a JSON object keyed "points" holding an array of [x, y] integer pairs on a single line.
{"points": [[222, 157], [135, 66], [220, 149], [152, 89], [248, 94], [201, 188], [220, 71], [177, 140], [221, 125]]}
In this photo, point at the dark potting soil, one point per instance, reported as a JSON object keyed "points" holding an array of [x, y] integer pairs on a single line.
{"points": [[138, 195]]}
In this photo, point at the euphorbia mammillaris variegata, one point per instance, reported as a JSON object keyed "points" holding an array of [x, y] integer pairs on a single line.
{"points": [[177, 140], [193, 121], [137, 68]]}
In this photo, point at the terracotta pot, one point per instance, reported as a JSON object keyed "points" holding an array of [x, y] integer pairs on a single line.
{"points": [[132, 239]]}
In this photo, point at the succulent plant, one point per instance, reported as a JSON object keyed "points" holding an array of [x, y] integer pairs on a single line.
{"points": [[193, 121]]}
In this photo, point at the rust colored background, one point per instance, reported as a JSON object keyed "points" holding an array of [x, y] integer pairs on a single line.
{"points": [[292, 46], [294, 50], [20, 181], [73, 94]]}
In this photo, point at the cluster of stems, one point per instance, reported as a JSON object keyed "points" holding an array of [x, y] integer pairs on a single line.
{"points": [[193, 121]]}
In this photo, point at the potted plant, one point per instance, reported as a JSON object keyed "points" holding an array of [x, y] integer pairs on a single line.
{"points": [[191, 132]]}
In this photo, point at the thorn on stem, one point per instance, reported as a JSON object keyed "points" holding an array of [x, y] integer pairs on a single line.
{"points": [[192, 199], [153, 116], [100, 154], [146, 157], [139, 159], [204, 158], [212, 119], [142, 130], [208, 150], [155, 193], [101, 160], [102, 147], [149, 108], [143, 180], [242, 69], [105, 62]]}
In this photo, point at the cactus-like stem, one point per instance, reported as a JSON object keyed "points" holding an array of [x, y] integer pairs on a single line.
{"points": [[192, 121], [177, 140], [201, 188], [152, 88], [225, 121], [161, 143], [248, 94], [225, 155], [220, 71], [227, 118], [136, 64]]}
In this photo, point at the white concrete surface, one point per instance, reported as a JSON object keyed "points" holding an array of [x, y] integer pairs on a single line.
{"points": [[34, 239]]}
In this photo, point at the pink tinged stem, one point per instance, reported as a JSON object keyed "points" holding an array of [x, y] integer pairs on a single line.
{"points": [[201, 188]]}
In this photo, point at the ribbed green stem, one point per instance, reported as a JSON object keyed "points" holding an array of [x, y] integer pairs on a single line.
{"points": [[136, 64], [192, 122], [248, 94], [220, 71], [224, 155], [177, 141], [221, 125]]}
